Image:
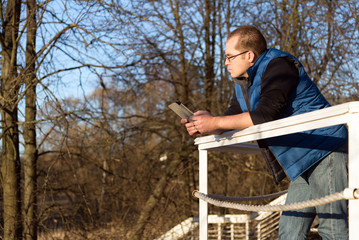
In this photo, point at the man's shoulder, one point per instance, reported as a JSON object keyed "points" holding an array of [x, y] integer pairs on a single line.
{"points": [[285, 61]]}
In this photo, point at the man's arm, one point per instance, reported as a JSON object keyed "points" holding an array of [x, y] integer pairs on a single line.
{"points": [[204, 122], [278, 82]]}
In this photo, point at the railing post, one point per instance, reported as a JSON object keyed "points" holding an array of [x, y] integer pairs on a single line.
{"points": [[353, 175], [203, 187], [247, 229], [232, 231], [219, 231]]}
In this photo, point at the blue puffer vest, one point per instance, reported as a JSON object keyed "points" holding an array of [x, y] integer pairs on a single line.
{"points": [[295, 152]]}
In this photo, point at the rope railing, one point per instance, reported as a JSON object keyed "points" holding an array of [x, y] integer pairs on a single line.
{"points": [[253, 198], [348, 193]]}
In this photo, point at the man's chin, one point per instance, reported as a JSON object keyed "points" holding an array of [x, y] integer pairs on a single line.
{"points": [[235, 75], [239, 75]]}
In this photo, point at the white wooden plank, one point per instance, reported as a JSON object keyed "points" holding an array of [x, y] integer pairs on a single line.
{"points": [[353, 169], [351, 107], [203, 187]]}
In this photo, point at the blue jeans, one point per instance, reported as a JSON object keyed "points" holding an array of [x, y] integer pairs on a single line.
{"points": [[328, 176]]}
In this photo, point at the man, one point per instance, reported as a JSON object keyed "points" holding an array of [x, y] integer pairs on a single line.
{"points": [[270, 85]]}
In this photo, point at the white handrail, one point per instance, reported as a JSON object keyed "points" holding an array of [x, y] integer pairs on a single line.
{"points": [[347, 113]]}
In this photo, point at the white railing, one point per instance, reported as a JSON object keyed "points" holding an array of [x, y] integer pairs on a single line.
{"points": [[258, 225], [238, 141]]}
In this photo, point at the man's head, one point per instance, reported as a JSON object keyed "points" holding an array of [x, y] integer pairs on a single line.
{"points": [[249, 38], [244, 45]]}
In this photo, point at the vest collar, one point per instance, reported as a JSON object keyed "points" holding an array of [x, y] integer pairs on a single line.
{"points": [[253, 69], [243, 81]]}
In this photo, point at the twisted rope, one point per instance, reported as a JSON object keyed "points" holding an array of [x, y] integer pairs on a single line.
{"points": [[273, 208], [236, 199]]}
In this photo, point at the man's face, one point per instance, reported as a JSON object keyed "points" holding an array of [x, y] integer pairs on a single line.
{"points": [[237, 65]]}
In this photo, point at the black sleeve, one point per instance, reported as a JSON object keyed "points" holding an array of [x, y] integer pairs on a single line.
{"points": [[278, 81], [234, 107]]}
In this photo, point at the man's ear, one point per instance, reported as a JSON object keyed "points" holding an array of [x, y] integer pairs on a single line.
{"points": [[251, 57]]}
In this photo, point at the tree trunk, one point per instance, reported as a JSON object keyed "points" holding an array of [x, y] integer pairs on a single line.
{"points": [[30, 156], [10, 167], [209, 38]]}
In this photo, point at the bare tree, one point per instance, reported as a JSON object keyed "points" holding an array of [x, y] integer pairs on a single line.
{"points": [[30, 155], [10, 84], [21, 79]]}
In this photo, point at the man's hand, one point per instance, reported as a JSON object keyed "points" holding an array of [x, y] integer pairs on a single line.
{"points": [[204, 122], [191, 128], [201, 122]]}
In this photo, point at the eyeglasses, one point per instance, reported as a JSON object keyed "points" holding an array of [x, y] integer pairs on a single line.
{"points": [[230, 59]]}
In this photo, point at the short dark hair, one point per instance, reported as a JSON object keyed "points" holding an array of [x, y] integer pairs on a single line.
{"points": [[250, 38]]}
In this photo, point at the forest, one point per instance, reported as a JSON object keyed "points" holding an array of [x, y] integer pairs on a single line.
{"points": [[89, 147]]}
